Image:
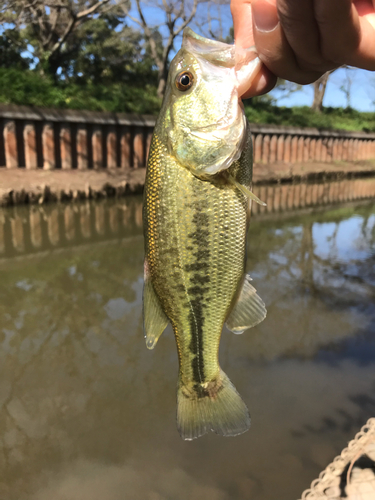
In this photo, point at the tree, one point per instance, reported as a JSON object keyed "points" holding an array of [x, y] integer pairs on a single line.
{"points": [[11, 49], [319, 91], [99, 52], [46, 25], [346, 86], [177, 15]]}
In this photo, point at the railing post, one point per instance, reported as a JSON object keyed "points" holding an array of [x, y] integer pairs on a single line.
{"points": [[111, 148], [323, 154], [48, 147], [312, 149], [66, 147], [335, 149], [266, 149], [287, 147], [82, 151], [330, 149], [318, 149], [300, 148], [139, 160], [258, 147], [280, 148], [29, 139], [10, 144], [294, 149], [345, 149], [97, 148], [339, 148], [273, 149], [125, 144], [306, 148]]}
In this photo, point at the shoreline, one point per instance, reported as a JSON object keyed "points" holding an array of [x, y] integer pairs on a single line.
{"points": [[21, 186]]}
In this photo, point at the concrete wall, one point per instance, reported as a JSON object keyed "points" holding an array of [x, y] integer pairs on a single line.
{"points": [[66, 139]]}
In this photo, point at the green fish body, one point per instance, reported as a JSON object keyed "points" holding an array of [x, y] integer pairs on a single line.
{"points": [[196, 217]]}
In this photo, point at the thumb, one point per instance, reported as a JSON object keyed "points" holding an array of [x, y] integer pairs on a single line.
{"points": [[264, 81]]}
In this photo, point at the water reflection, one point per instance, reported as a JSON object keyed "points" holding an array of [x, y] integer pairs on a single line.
{"points": [[28, 229], [86, 412], [65, 225]]}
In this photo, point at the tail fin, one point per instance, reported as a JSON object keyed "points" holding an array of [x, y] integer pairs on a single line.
{"points": [[216, 406]]}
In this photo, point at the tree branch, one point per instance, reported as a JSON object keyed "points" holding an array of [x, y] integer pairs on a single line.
{"points": [[92, 9], [149, 37], [187, 20]]}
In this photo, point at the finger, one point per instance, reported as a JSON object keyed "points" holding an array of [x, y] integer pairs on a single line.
{"points": [[297, 19], [273, 47], [242, 22], [263, 82], [365, 10], [347, 32], [243, 35], [339, 28]]}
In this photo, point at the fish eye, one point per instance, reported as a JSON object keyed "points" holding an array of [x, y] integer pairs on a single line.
{"points": [[184, 81]]}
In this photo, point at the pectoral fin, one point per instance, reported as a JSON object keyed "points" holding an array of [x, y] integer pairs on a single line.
{"points": [[248, 310], [154, 319], [244, 190]]}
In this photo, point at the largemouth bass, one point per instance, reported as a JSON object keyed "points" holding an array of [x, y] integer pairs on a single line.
{"points": [[196, 217]]}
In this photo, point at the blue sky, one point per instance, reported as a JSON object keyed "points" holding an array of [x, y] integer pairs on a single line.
{"points": [[362, 91]]}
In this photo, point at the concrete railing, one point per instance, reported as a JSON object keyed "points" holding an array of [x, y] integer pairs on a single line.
{"points": [[67, 139]]}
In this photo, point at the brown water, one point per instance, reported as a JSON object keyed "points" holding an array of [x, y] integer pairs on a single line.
{"points": [[88, 413]]}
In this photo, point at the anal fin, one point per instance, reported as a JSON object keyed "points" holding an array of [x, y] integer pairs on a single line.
{"points": [[248, 310], [154, 319]]}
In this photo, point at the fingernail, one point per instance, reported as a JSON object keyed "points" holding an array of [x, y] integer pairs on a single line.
{"points": [[264, 15]]}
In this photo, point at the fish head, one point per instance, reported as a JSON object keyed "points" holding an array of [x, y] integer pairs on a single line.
{"points": [[205, 120]]}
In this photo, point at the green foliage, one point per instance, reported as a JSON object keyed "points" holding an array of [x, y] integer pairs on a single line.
{"points": [[265, 111], [100, 53], [11, 48], [29, 88]]}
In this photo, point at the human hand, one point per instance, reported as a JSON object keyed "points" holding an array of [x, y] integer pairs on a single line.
{"points": [[299, 40]]}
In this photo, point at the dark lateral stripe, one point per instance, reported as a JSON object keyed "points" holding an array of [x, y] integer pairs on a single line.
{"points": [[200, 243], [196, 345]]}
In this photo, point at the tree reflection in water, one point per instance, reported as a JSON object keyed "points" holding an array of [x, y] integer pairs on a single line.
{"points": [[86, 412]]}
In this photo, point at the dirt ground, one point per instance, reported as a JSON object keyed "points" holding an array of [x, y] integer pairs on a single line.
{"points": [[39, 186]]}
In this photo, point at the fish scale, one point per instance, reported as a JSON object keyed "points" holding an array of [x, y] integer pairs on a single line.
{"points": [[173, 243]]}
